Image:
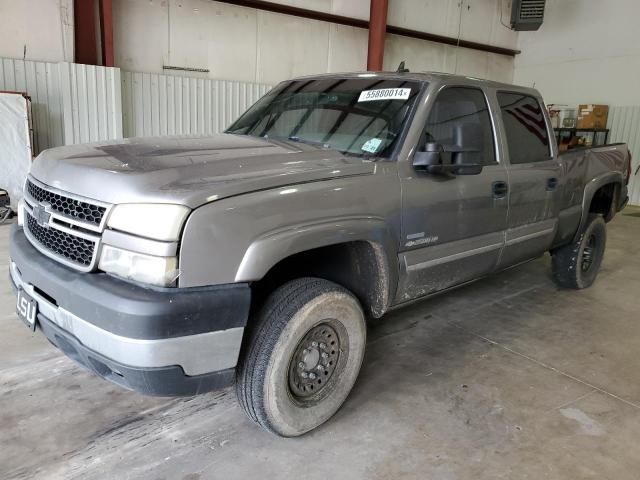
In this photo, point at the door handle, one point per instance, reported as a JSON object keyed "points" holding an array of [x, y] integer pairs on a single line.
{"points": [[552, 183], [499, 189]]}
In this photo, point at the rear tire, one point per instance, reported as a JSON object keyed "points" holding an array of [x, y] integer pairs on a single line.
{"points": [[303, 356], [576, 265]]}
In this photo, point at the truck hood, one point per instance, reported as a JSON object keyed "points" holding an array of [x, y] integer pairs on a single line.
{"points": [[188, 170]]}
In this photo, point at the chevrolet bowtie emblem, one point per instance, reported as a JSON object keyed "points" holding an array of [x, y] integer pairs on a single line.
{"points": [[41, 214]]}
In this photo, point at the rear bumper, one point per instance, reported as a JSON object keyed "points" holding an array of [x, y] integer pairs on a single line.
{"points": [[155, 341]]}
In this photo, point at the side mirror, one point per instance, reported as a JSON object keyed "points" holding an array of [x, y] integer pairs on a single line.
{"points": [[436, 158], [428, 158]]}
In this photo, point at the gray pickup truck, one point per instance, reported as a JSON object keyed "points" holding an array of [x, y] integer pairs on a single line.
{"points": [[175, 266]]}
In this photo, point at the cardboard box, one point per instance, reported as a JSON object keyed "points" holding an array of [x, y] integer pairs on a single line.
{"points": [[592, 116]]}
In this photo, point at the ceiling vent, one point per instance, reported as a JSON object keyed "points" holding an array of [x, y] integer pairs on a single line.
{"points": [[527, 14]]}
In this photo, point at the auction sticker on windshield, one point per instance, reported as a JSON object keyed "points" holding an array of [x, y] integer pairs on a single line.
{"points": [[371, 145], [384, 94]]}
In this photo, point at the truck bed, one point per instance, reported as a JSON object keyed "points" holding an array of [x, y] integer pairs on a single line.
{"points": [[584, 171]]}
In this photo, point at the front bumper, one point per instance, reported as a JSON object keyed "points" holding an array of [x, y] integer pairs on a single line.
{"points": [[158, 341]]}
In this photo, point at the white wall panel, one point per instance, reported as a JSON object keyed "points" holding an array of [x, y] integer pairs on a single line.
{"points": [[37, 29], [624, 123], [351, 58], [290, 47], [586, 51], [478, 21], [70, 103], [423, 56], [41, 81], [155, 105], [91, 100], [245, 44], [141, 35]]}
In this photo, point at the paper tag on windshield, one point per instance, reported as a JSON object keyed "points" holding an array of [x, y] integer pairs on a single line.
{"points": [[384, 94], [371, 145]]}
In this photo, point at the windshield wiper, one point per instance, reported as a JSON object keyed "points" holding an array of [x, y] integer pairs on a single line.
{"points": [[295, 138]]}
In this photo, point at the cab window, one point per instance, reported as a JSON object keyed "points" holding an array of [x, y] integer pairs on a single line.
{"points": [[460, 120], [525, 128]]}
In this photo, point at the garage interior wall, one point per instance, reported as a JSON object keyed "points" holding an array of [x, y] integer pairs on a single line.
{"points": [[40, 30], [245, 50], [587, 52], [246, 44], [155, 104], [70, 103]]}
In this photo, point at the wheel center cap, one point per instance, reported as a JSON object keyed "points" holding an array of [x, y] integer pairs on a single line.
{"points": [[311, 359]]}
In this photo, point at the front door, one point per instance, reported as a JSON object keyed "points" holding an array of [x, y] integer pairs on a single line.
{"points": [[453, 226], [534, 177]]}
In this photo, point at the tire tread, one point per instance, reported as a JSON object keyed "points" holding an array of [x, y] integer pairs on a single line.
{"points": [[271, 320], [565, 260]]}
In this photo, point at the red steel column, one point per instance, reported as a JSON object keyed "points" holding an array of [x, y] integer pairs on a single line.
{"points": [[106, 32], [377, 28], [84, 26]]}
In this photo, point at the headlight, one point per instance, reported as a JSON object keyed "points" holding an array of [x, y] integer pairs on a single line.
{"points": [[161, 271], [157, 221]]}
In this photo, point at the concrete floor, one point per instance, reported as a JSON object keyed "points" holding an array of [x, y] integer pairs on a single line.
{"points": [[506, 378]]}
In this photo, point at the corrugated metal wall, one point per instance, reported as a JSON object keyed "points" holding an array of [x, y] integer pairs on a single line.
{"points": [[92, 103], [624, 123], [70, 103], [41, 81], [170, 105], [74, 103]]}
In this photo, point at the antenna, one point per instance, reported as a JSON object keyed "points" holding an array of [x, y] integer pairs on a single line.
{"points": [[401, 68]]}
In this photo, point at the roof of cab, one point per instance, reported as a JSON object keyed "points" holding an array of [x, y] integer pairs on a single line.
{"points": [[426, 77]]}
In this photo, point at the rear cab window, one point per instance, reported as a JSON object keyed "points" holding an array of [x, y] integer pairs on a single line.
{"points": [[525, 128]]}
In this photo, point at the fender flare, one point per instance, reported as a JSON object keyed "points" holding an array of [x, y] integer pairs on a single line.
{"points": [[590, 190], [269, 249]]}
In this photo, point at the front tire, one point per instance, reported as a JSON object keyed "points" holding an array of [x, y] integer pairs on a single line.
{"points": [[303, 356], [576, 265]]}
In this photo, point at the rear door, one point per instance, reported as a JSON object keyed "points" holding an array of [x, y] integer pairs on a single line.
{"points": [[534, 178], [452, 226]]}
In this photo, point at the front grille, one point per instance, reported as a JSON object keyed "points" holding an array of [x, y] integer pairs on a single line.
{"points": [[74, 249], [67, 206]]}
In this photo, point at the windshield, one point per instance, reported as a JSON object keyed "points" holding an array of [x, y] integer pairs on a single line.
{"points": [[363, 116]]}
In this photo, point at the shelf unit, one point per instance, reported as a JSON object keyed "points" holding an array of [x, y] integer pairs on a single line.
{"points": [[593, 136]]}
